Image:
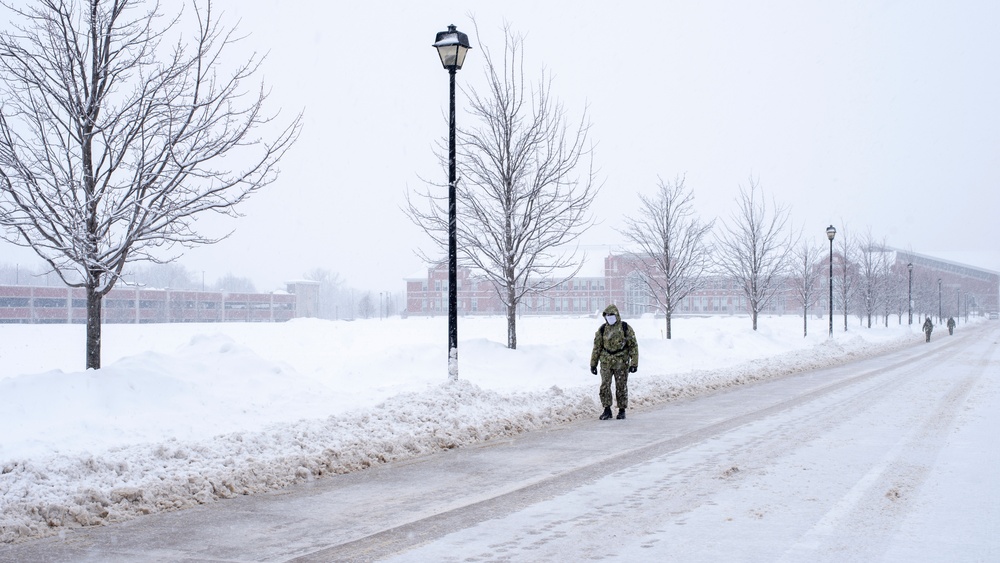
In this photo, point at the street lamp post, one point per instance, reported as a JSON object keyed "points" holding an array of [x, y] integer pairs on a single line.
{"points": [[958, 303], [939, 300], [909, 293], [452, 46], [830, 233]]}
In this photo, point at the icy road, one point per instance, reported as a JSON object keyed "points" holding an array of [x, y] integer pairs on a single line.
{"points": [[890, 459]]}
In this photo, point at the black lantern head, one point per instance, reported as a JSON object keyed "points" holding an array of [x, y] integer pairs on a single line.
{"points": [[452, 45]]}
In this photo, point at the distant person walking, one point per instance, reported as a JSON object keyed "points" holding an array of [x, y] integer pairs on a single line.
{"points": [[617, 351], [928, 328], [951, 326]]}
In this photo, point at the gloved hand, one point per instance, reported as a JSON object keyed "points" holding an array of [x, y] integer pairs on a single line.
{"points": [[633, 369], [593, 370]]}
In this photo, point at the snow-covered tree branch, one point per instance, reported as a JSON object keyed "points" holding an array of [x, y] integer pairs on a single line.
{"points": [[754, 247], [112, 140], [671, 245], [806, 277]]}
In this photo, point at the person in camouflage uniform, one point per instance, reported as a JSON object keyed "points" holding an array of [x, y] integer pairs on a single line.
{"points": [[616, 349]]}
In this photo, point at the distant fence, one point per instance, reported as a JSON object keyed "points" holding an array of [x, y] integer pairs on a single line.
{"points": [[29, 304]]}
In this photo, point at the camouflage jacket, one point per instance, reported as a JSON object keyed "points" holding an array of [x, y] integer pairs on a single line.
{"points": [[615, 344]]}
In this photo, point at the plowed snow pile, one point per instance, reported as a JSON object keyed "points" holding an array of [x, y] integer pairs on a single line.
{"points": [[188, 414]]}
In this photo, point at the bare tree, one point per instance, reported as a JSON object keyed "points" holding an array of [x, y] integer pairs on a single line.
{"points": [[112, 140], [366, 306], [925, 293], [235, 284], [846, 270], [330, 291], [527, 184], [21, 274], [672, 244], [872, 276], [391, 301], [895, 276], [167, 276], [806, 279], [754, 247]]}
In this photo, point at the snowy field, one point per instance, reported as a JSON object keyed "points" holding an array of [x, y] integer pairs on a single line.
{"points": [[188, 414]]}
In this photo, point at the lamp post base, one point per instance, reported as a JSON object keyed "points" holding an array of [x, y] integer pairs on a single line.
{"points": [[453, 364]]}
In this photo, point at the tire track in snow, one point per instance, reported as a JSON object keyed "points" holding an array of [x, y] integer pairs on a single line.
{"points": [[861, 523], [699, 481]]}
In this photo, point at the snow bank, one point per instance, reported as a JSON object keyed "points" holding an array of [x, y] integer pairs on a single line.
{"points": [[159, 431]]}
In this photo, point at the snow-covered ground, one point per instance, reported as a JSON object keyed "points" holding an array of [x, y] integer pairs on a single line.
{"points": [[188, 414]]}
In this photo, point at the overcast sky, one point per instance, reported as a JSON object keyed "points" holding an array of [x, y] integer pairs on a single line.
{"points": [[861, 114]]}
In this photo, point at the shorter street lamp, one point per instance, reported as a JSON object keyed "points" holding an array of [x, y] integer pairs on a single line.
{"points": [[830, 233], [939, 300], [909, 295], [958, 303]]}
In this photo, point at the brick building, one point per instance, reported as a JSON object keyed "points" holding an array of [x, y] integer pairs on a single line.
{"points": [[616, 278]]}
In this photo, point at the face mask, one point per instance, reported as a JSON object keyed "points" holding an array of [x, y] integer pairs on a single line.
{"points": [[612, 319]]}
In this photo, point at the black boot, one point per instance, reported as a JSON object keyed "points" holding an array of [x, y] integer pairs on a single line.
{"points": [[606, 414], [621, 414]]}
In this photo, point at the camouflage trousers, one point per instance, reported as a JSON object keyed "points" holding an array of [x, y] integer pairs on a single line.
{"points": [[620, 375]]}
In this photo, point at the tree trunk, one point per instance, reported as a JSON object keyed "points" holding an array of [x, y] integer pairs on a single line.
{"points": [[805, 322], [93, 324], [668, 315], [511, 319], [753, 316]]}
